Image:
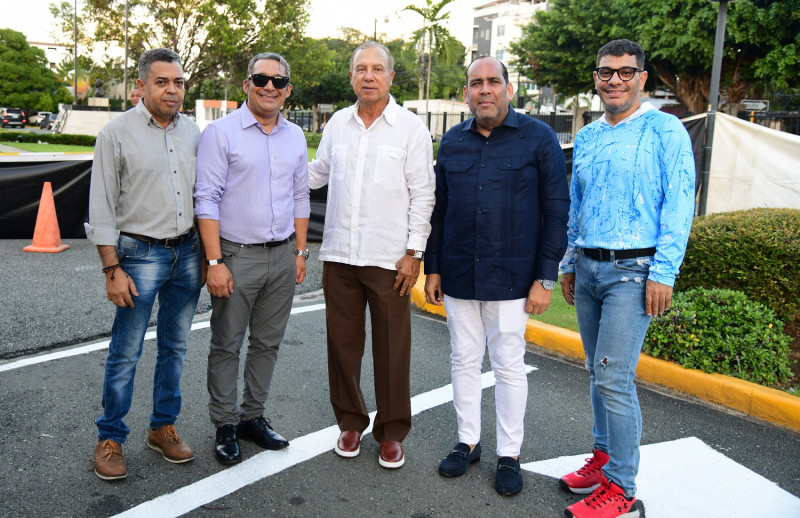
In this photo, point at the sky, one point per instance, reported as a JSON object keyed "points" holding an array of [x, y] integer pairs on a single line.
{"points": [[32, 17]]}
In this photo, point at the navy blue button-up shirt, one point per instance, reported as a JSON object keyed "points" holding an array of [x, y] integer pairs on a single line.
{"points": [[502, 204]]}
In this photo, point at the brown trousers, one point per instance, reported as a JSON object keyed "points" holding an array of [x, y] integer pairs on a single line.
{"points": [[348, 289]]}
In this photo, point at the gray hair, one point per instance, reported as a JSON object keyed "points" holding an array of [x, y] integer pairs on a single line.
{"points": [[619, 48], [268, 55], [151, 56], [373, 44]]}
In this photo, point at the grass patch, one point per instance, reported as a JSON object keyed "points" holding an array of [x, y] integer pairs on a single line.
{"points": [[559, 313], [49, 148]]}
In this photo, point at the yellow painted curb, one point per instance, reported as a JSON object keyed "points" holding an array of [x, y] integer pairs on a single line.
{"points": [[752, 399]]}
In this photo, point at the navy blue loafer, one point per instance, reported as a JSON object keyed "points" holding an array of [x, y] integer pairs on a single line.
{"points": [[456, 463], [508, 480]]}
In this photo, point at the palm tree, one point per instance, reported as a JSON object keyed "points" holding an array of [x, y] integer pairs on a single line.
{"points": [[435, 35]]}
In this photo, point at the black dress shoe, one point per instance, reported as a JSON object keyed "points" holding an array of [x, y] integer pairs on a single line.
{"points": [[260, 432], [226, 448]]}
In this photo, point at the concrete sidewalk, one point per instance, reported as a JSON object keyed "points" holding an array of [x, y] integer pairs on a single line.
{"points": [[751, 399]]}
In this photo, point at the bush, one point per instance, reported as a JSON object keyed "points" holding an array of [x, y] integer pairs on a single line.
{"points": [[52, 138], [312, 139], [722, 331], [753, 251]]}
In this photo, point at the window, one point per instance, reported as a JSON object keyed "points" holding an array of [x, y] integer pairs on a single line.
{"points": [[500, 54], [501, 30]]}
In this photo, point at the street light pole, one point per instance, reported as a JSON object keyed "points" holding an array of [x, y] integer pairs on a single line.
{"points": [[75, 54], [125, 67], [713, 100]]}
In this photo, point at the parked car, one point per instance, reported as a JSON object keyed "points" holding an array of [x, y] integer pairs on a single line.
{"points": [[40, 117], [49, 121], [13, 117]]}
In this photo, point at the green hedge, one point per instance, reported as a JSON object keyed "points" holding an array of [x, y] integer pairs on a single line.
{"points": [[52, 138], [312, 139], [722, 331], [755, 251]]}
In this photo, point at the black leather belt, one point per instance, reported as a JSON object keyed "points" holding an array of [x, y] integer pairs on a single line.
{"points": [[601, 254], [170, 242], [268, 244]]}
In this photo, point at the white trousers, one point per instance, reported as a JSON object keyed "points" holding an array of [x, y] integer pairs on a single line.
{"points": [[473, 325]]}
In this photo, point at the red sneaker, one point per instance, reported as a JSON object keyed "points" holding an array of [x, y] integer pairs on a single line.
{"points": [[607, 501], [586, 479]]}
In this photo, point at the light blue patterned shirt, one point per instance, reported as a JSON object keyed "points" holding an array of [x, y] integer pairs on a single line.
{"points": [[633, 187]]}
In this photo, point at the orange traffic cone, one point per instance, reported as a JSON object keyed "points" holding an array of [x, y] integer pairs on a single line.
{"points": [[46, 235]]}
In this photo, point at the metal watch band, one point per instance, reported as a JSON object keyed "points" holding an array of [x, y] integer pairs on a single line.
{"points": [[303, 253], [548, 285]]}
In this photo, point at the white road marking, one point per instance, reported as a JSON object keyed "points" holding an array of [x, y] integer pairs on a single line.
{"points": [[686, 477], [97, 346], [269, 463]]}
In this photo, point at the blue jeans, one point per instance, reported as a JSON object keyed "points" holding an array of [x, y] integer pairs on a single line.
{"points": [[610, 304], [174, 275]]}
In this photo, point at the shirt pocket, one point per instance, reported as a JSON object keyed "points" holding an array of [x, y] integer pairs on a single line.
{"points": [[389, 167]]}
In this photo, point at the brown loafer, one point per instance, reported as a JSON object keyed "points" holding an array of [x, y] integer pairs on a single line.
{"points": [[109, 464], [349, 444], [392, 456], [165, 440]]}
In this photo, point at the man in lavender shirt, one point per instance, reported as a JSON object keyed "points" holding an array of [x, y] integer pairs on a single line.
{"points": [[251, 196]]}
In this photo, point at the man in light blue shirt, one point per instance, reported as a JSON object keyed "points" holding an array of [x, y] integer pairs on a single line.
{"points": [[251, 196], [632, 202]]}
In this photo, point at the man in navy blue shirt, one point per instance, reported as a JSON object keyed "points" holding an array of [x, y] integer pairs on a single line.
{"points": [[498, 233]]}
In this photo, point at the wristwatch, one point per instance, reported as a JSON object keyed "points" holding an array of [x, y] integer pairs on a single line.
{"points": [[548, 285], [214, 262], [304, 253], [417, 254]]}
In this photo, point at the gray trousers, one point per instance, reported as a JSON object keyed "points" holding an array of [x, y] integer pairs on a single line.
{"points": [[263, 289]]}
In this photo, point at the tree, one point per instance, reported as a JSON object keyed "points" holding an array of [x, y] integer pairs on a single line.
{"points": [[439, 39], [762, 44], [25, 79], [559, 48], [212, 37]]}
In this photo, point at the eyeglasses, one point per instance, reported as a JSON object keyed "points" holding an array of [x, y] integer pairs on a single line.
{"points": [[261, 80], [624, 73]]}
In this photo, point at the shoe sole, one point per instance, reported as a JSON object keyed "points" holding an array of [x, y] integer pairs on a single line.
{"points": [[347, 454], [454, 475], [391, 465], [577, 490], [110, 477], [153, 446]]}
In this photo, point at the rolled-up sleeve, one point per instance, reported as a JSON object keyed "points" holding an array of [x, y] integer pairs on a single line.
{"points": [[212, 172], [421, 187]]}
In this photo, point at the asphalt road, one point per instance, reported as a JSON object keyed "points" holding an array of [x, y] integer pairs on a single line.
{"points": [[55, 304]]}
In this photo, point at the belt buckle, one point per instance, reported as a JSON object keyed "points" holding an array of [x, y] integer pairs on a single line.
{"points": [[611, 256]]}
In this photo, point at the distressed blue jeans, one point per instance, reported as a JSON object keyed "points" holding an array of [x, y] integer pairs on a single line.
{"points": [[610, 305], [174, 276]]}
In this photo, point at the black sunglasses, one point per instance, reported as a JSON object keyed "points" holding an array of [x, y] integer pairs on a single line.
{"points": [[261, 80]]}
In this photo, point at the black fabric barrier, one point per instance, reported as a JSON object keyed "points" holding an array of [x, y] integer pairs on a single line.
{"points": [[21, 189]]}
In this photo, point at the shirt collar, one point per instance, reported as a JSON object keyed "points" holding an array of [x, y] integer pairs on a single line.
{"points": [[643, 108], [248, 119], [142, 111], [390, 112]]}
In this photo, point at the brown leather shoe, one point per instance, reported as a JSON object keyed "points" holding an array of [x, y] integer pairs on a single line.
{"points": [[349, 444], [391, 454], [109, 464], [165, 440]]}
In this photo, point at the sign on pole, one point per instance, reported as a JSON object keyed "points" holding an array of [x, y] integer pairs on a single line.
{"points": [[756, 105]]}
